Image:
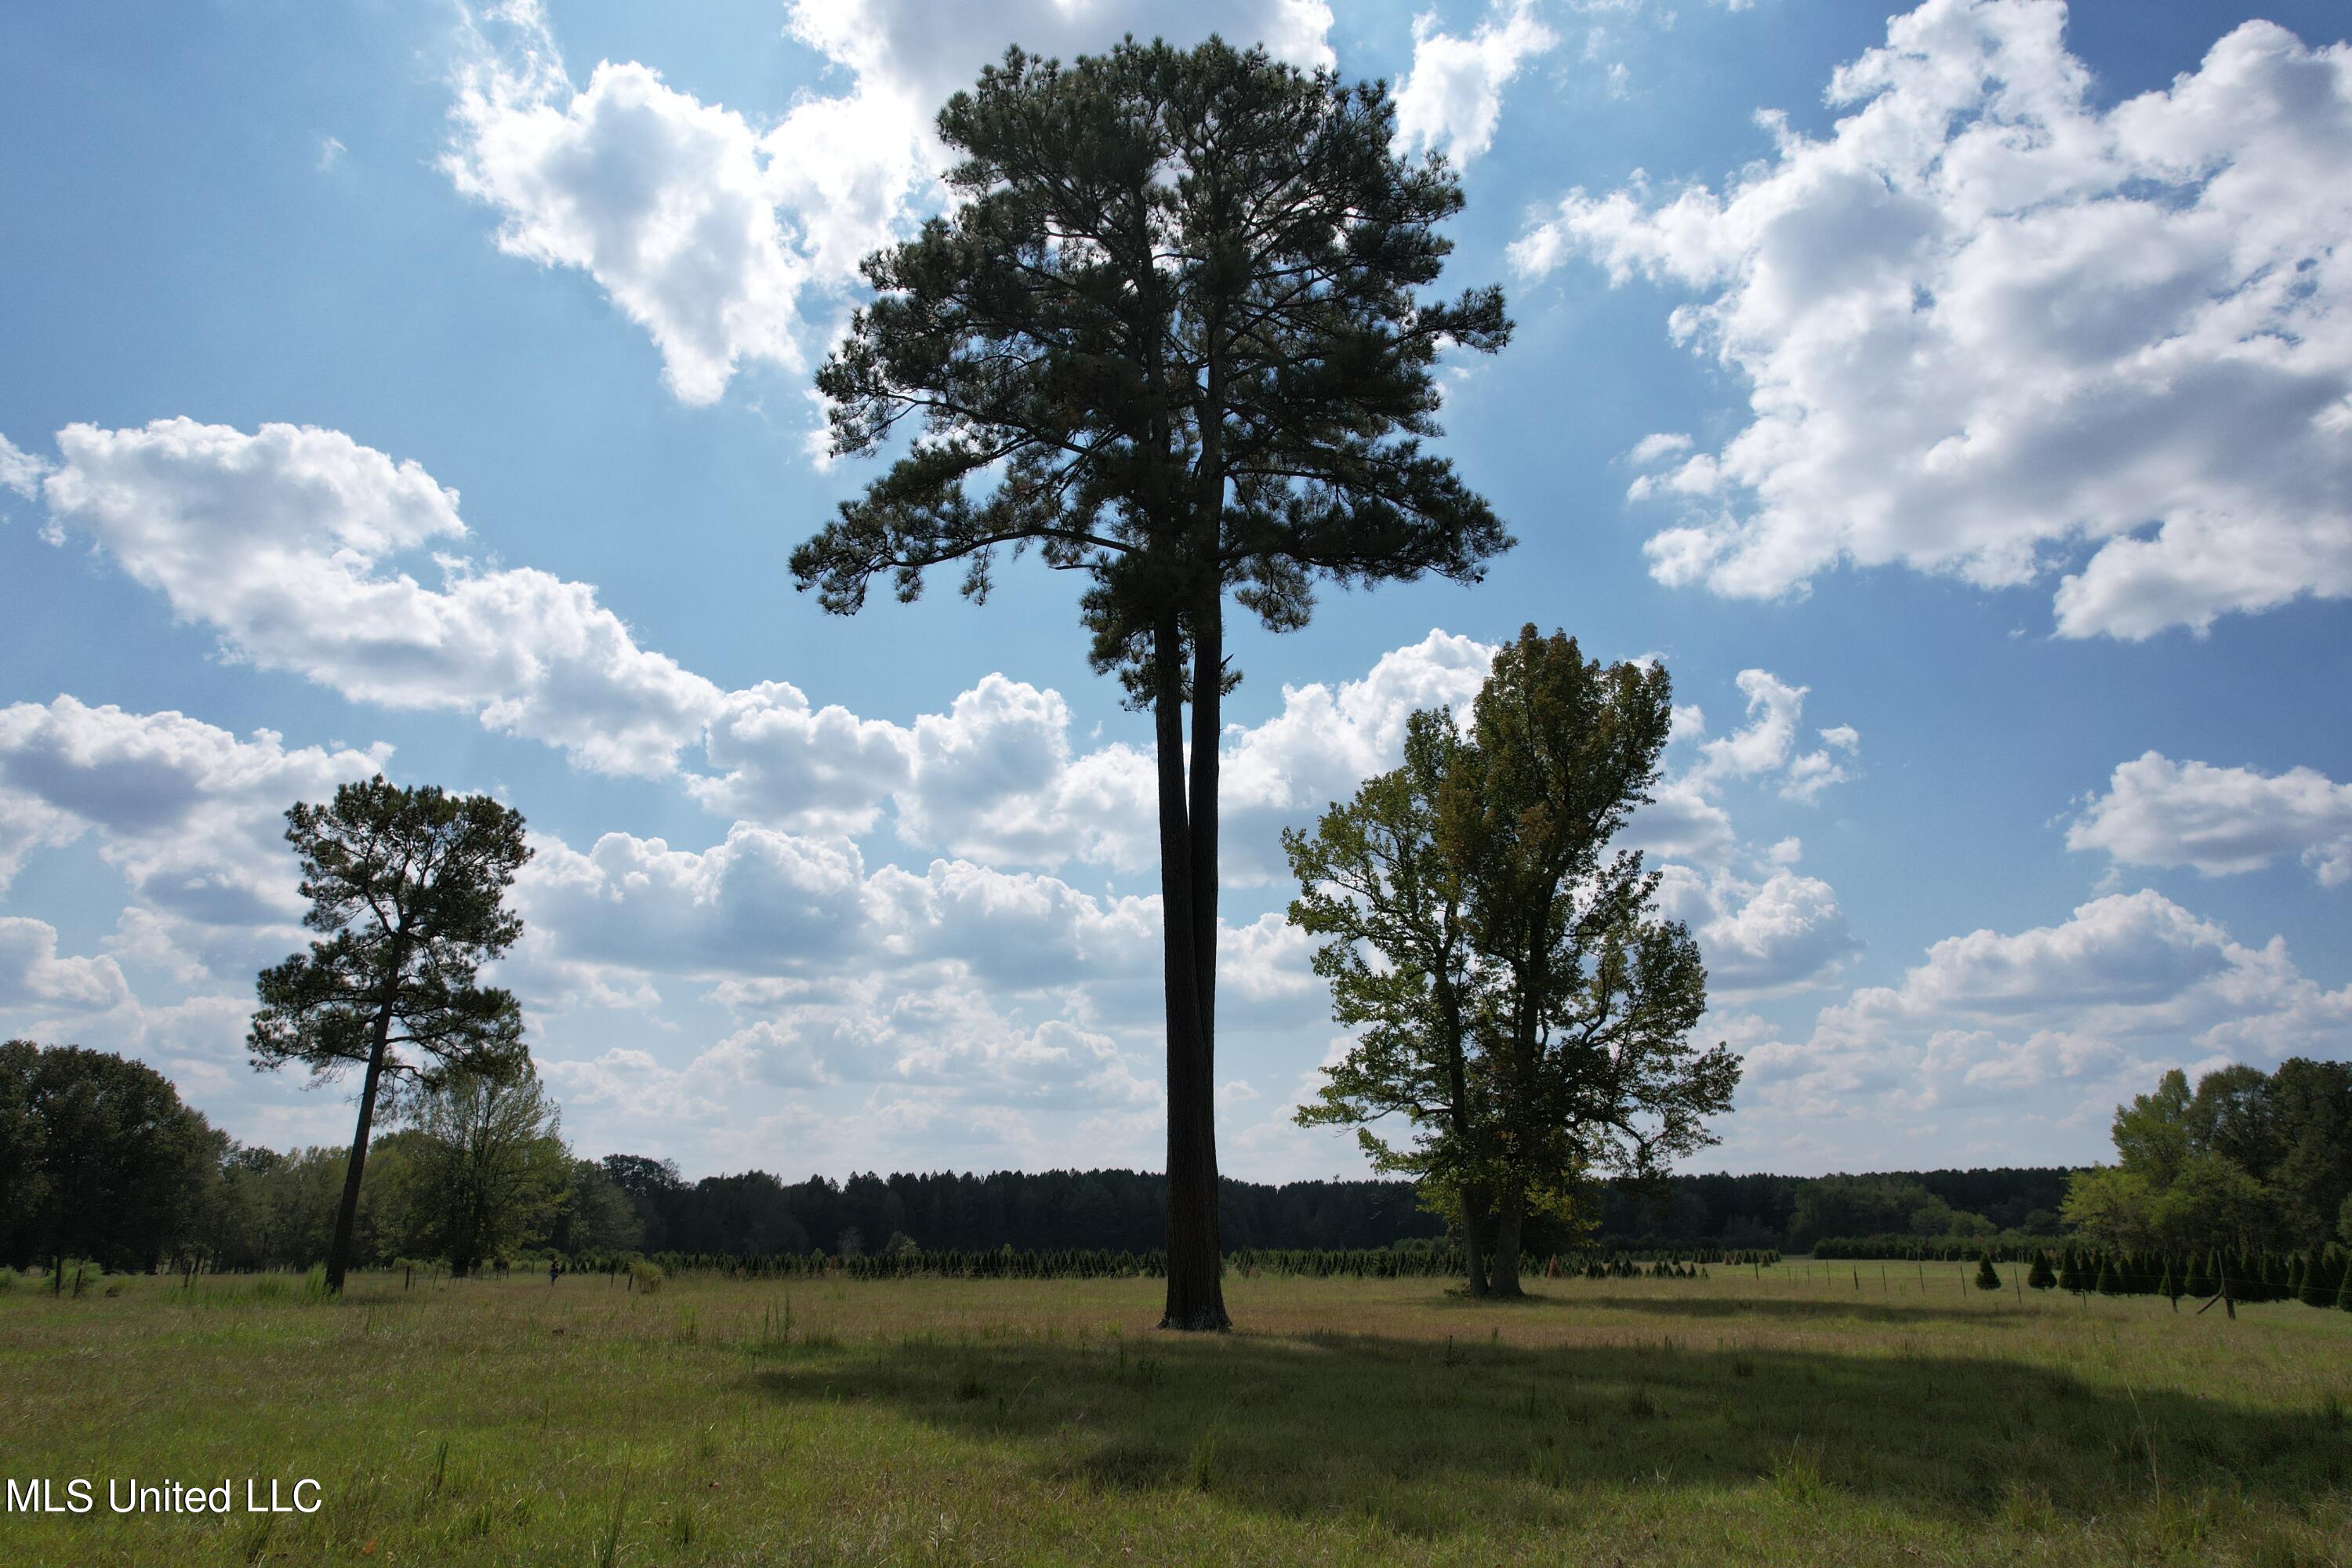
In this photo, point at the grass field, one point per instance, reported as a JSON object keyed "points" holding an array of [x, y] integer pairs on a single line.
{"points": [[1791, 1419]]}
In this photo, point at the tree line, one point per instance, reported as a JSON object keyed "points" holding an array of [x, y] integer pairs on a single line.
{"points": [[100, 1159]]}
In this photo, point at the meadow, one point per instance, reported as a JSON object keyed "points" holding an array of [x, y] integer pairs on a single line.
{"points": [[1805, 1414]]}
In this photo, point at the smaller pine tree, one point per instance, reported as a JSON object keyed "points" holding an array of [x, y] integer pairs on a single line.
{"points": [[2171, 1289], [2318, 1288], [2200, 1277], [2344, 1290], [2110, 1283], [2039, 1277], [1988, 1278], [2070, 1274]]}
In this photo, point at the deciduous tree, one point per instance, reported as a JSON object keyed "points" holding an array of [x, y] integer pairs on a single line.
{"points": [[99, 1158], [1520, 1002], [487, 1168]]}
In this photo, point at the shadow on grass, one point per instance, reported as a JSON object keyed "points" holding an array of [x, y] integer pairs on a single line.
{"points": [[1868, 1306], [1434, 1438]]}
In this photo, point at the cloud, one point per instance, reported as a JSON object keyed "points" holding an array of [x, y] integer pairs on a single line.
{"points": [[997, 779], [792, 765], [1993, 1033], [21, 471], [728, 238], [1769, 743], [2222, 821], [192, 816], [1656, 448], [285, 540], [759, 901], [1451, 97], [292, 543], [1760, 939], [1994, 331], [33, 975]]}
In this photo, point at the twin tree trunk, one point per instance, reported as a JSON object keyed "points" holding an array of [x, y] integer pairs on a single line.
{"points": [[1188, 901]]}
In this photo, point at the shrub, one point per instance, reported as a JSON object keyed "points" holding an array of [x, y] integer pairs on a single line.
{"points": [[643, 1276], [1988, 1277], [2040, 1276]]}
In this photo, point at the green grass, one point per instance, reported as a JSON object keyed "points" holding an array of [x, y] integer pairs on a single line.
{"points": [[1791, 1420]]}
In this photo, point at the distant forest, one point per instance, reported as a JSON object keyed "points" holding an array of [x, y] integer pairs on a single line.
{"points": [[756, 1214], [100, 1160]]}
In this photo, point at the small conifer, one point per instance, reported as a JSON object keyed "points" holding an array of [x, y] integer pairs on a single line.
{"points": [[2039, 1277], [2110, 1283], [1988, 1278], [2318, 1288], [2200, 1277]]}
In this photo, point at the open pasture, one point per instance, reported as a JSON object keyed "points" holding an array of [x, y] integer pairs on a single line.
{"points": [[1787, 1419]]}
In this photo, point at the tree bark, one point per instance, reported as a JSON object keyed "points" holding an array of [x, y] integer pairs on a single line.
{"points": [[1195, 1297], [1478, 1237], [347, 1214], [1508, 1207]]}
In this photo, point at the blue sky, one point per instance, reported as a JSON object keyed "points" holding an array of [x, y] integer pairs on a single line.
{"points": [[1959, 403]]}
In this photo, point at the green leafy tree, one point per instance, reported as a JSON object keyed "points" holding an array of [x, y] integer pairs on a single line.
{"points": [[1172, 337], [407, 890], [1594, 997], [106, 1162], [23, 1184], [595, 1215], [1524, 1006], [488, 1169], [1383, 882], [2310, 1170]]}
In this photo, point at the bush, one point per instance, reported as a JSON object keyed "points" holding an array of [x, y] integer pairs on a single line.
{"points": [[1988, 1277], [646, 1277], [2039, 1277]]}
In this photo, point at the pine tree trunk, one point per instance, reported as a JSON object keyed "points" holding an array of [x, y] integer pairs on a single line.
{"points": [[347, 1214], [1195, 1297], [1508, 1206]]}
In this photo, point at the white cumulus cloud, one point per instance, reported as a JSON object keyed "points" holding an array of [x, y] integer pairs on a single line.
{"points": [[1995, 331], [2157, 812], [1999, 1041], [1451, 97], [288, 541]]}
